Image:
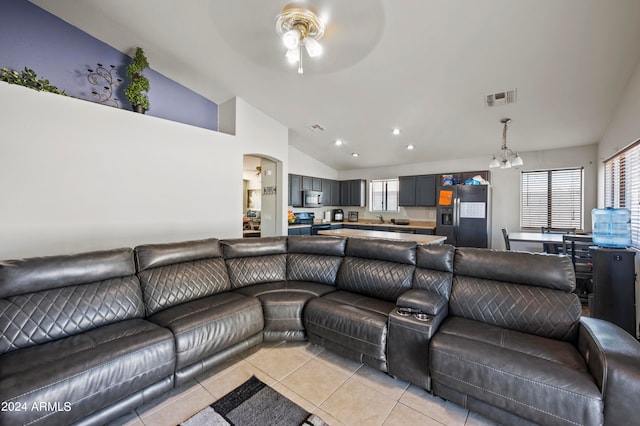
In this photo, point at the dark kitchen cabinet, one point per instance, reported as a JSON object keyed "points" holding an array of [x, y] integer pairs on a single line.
{"points": [[353, 193], [335, 193], [417, 191], [327, 189], [345, 192], [316, 184], [307, 183], [295, 190], [426, 191], [407, 191], [357, 193]]}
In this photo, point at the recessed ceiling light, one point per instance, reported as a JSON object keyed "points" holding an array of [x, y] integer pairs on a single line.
{"points": [[355, 154], [410, 147], [338, 142], [396, 131]]}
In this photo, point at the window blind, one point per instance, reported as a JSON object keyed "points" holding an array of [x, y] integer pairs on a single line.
{"points": [[384, 195], [622, 185], [552, 198]]}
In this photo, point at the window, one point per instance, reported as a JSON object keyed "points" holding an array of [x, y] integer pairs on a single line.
{"points": [[552, 198], [622, 185], [383, 195]]}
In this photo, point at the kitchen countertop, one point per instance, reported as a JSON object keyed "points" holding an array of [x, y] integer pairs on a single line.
{"points": [[386, 224], [399, 236]]}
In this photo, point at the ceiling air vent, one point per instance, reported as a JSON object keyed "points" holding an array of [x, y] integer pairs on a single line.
{"points": [[316, 128], [500, 98]]}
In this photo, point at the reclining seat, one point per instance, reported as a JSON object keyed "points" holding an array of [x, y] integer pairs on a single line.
{"points": [[509, 347], [353, 320], [73, 340], [185, 288], [283, 282]]}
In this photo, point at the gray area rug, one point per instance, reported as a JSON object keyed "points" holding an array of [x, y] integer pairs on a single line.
{"points": [[254, 403]]}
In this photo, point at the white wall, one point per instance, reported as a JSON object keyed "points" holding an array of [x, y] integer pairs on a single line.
{"points": [[505, 183], [77, 176], [303, 164], [623, 130]]}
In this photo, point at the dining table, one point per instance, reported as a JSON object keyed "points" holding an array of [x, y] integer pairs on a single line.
{"points": [[535, 237]]}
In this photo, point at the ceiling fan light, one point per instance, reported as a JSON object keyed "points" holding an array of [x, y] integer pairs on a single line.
{"points": [[293, 55], [291, 38], [494, 163], [314, 49]]}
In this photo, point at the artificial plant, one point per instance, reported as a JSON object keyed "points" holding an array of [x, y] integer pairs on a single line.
{"points": [[139, 86], [29, 78]]}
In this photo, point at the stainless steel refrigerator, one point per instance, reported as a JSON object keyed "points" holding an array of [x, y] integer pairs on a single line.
{"points": [[464, 215]]}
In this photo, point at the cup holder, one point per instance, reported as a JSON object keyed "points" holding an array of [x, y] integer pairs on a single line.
{"points": [[422, 317], [404, 312]]}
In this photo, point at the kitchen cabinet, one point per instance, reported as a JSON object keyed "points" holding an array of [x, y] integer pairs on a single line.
{"points": [[295, 190], [335, 193], [310, 183], [417, 191], [353, 193], [307, 183], [407, 191], [300, 231], [327, 191], [316, 184]]}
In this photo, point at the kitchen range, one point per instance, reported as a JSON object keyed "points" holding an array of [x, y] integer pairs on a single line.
{"points": [[307, 218]]}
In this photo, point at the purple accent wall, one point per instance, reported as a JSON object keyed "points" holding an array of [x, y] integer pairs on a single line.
{"points": [[32, 37]]}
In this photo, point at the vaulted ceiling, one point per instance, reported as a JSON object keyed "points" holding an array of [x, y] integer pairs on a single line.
{"points": [[423, 66]]}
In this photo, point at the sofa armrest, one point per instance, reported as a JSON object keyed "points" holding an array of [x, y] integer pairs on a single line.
{"points": [[421, 301], [613, 357]]}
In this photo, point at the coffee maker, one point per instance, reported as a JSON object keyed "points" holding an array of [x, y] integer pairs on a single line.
{"points": [[337, 215]]}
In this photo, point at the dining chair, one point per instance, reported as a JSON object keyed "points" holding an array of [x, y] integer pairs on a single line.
{"points": [[553, 248], [577, 248], [505, 235]]}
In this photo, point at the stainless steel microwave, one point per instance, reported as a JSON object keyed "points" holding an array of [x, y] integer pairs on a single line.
{"points": [[312, 199]]}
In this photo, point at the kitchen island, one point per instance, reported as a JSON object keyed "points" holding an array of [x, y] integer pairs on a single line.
{"points": [[398, 236]]}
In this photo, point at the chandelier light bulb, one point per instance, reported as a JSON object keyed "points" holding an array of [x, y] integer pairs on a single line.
{"points": [[291, 38], [502, 158]]}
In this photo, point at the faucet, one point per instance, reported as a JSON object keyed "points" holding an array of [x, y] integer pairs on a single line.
{"points": [[381, 218]]}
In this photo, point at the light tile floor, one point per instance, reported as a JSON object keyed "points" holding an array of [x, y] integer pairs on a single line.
{"points": [[340, 391]]}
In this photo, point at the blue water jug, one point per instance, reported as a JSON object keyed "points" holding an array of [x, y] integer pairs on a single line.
{"points": [[611, 227]]}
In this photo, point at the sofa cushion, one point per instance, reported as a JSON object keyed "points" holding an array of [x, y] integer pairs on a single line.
{"points": [[533, 269], [375, 278], [88, 371], [543, 380], [386, 250], [434, 269], [150, 256], [313, 267], [354, 325], [44, 273], [255, 261], [205, 326], [318, 244], [535, 310]]}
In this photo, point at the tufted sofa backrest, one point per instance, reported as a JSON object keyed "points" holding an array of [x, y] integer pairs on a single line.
{"points": [[48, 298], [434, 268], [532, 293], [315, 259], [175, 273], [255, 260], [377, 268]]}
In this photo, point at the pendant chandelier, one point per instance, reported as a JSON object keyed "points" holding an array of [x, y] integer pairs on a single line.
{"points": [[299, 25], [505, 158]]}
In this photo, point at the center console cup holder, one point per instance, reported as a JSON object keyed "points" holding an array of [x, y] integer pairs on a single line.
{"points": [[417, 314], [420, 316]]}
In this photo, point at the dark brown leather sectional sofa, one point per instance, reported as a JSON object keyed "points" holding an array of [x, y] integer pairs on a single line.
{"points": [[87, 338]]}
